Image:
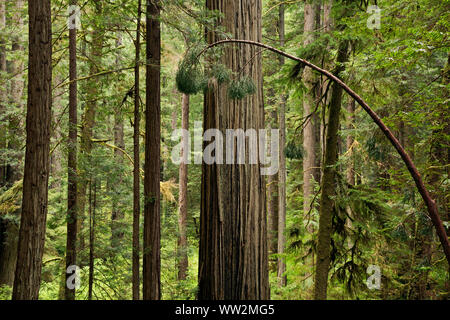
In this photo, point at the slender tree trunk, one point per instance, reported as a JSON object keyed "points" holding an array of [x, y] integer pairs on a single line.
{"points": [[350, 172], [92, 206], [136, 164], [233, 235], [326, 24], [282, 279], [151, 250], [37, 164], [182, 219], [117, 213], [8, 229], [272, 208], [88, 120], [3, 95], [309, 143], [328, 184], [71, 253], [56, 169]]}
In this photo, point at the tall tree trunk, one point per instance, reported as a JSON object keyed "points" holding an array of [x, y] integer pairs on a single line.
{"points": [[92, 206], [282, 170], [56, 138], [8, 229], [71, 253], [117, 211], [15, 134], [233, 235], [3, 94], [328, 183], [88, 120], [136, 164], [37, 164], [439, 158], [151, 250], [350, 172], [326, 24], [309, 143], [309, 131], [182, 219], [272, 207]]}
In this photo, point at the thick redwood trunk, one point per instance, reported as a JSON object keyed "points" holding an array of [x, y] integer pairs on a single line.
{"points": [[37, 164], [233, 235], [151, 250]]}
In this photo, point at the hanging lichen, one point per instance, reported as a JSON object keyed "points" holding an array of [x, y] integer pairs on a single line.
{"points": [[241, 88], [190, 78]]}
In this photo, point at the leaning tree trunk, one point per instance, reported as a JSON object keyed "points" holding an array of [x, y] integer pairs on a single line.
{"points": [[71, 253], [182, 219], [233, 237], [328, 184], [152, 236], [37, 164], [429, 202]]}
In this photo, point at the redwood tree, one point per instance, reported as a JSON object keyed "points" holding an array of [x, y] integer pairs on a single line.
{"points": [[233, 236], [152, 232], [37, 164]]}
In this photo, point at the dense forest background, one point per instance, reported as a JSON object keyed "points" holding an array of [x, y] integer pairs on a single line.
{"points": [[398, 64]]}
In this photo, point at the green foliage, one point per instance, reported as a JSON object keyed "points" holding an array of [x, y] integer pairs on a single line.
{"points": [[221, 73], [190, 77], [240, 88]]}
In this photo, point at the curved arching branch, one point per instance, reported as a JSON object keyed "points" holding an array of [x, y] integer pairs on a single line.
{"points": [[429, 202]]}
